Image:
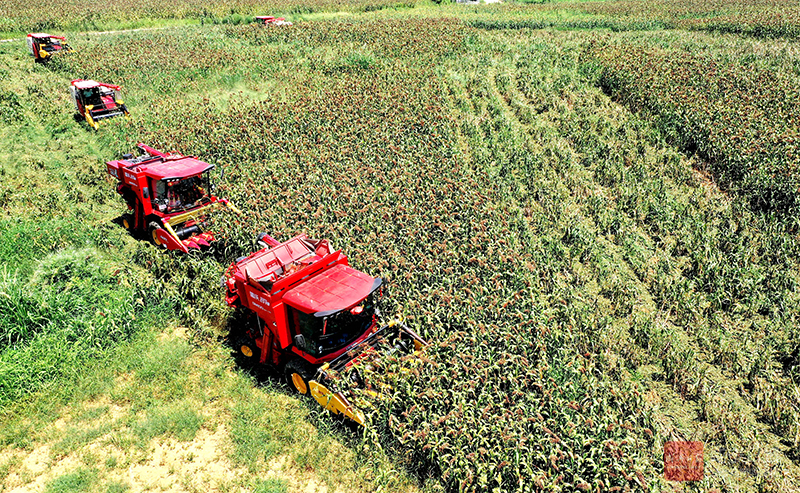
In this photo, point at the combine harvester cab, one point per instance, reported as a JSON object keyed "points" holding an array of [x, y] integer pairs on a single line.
{"points": [[95, 101], [168, 196], [313, 316], [43, 46]]}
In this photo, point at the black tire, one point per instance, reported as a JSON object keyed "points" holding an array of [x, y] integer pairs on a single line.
{"points": [[127, 222], [247, 348], [297, 373], [151, 233]]}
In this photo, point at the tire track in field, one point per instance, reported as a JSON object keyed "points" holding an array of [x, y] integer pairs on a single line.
{"points": [[719, 403]]}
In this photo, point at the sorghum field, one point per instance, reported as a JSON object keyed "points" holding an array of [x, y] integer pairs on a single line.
{"points": [[590, 209]]}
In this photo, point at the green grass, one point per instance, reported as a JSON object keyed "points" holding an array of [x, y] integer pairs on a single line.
{"points": [[80, 481], [271, 486], [70, 309], [178, 419], [116, 487], [259, 428]]}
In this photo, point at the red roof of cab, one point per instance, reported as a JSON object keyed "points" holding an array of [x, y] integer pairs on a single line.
{"points": [[173, 167], [85, 84], [45, 35], [335, 289]]}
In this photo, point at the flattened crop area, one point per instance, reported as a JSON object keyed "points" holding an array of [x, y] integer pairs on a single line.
{"points": [[546, 219]]}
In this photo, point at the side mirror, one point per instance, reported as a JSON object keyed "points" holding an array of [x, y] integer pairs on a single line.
{"points": [[300, 341]]}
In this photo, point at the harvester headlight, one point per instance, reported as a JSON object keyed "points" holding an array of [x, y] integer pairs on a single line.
{"points": [[356, 310]]}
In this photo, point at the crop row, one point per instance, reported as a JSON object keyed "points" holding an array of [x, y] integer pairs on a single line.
{"points": [[765, 19], [737, 114], [726, 275], [762, 18], [624, 219], [39, 15]]}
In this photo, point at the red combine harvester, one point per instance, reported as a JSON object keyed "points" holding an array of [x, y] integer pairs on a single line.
{"points": [[269, 20], [96, 101], [312, 315], [168, 195], [43, 46]]}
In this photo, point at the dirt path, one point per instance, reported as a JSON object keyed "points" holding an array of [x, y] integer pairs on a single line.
{"points": [[96, 33], [194, 424]]}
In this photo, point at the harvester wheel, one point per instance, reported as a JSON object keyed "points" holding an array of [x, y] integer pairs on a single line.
{"points": [[298, 373], [152, 230], [247, 348], [127, 222]]}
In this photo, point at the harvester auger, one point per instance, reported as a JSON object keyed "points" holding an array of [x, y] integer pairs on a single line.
{"points": [[43, 46], [169, 196], [95, 101], [312, 316]]}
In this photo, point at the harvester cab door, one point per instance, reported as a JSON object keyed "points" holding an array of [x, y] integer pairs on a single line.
{"points": [[73, 94], [161, 195], [303, 330], [33, 47]]}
